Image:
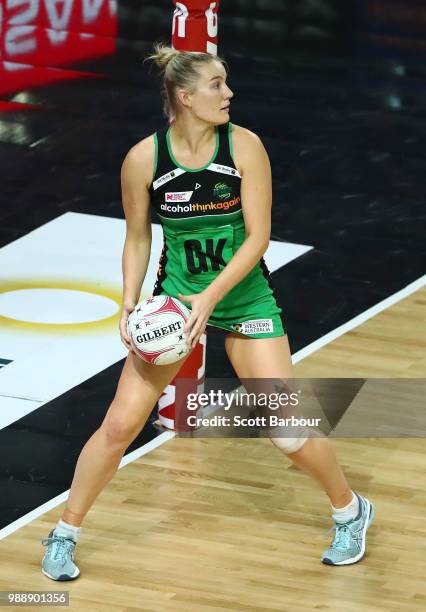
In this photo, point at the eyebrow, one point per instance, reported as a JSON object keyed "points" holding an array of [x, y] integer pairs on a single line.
{"points": [[219, 76]]}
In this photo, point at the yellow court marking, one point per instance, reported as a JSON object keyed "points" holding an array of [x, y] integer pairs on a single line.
{"points": [[113, 293]]}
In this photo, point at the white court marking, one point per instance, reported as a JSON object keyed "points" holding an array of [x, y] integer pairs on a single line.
{"points": [[79, 256], [161, 439], [55, 306], [60, 499], [358, 320]]}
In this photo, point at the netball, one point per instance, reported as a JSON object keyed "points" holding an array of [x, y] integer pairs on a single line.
{"points": [[155, 328]]}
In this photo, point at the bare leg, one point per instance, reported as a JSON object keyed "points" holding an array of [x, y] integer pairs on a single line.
{"points": [[96, 465], [317, 457], [139, 388], [270, 358]]}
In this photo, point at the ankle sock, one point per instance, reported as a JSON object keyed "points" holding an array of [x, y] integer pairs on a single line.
{"points": [[347, 513], [65, 529]]}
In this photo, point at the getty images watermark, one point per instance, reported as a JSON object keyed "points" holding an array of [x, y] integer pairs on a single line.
{"points": [[235, 400], [349, 407]]}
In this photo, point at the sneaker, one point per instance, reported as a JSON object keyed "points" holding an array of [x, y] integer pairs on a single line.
{"points": [[58, 561], [349, 540]]}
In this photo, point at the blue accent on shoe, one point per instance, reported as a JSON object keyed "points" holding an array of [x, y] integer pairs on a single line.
{"points": [[349, 542], [58, 561]]}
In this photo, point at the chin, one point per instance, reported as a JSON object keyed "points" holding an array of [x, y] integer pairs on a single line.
{"points": [[217, 120], [224, 119]]}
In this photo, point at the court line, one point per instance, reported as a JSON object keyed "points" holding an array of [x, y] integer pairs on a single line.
{"points": [[340, 331], [25, 399], [359, 319], [59, 499], [166, 436]]}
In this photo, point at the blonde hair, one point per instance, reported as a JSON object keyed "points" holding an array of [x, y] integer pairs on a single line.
{"points": [[179, 69]]}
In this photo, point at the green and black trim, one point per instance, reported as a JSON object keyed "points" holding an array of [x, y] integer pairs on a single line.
{"points": [[174, 160], [161, 271]]}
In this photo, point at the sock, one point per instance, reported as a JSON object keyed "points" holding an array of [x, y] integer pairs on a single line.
{"points": [[67, 530], [347, 513]]}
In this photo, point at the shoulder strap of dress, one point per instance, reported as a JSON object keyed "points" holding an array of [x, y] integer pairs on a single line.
{"points": [[164, 163], [225, 145]]}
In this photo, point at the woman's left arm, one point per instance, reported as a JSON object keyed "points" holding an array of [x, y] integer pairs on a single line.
{"points": [[256, 203]]}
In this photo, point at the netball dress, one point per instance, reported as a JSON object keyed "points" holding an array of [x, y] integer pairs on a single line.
{"points": [[203, 226]]}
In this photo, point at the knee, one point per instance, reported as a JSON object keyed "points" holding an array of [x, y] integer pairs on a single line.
{"points": [[289, 445], [281, 439], [118, 431]]}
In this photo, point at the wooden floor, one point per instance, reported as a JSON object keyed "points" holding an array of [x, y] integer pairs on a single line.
{"points": [[214, 525]]}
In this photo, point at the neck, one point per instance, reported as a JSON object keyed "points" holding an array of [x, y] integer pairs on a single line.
{"points": [[191, 134]]}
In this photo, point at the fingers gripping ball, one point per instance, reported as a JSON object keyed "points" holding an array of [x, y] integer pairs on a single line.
{"points": [[155, 328]]}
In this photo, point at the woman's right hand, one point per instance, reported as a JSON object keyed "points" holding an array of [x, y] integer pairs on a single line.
{"points": [[125, 312]]}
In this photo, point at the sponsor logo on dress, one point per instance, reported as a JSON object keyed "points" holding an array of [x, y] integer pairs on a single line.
{"points": [[197, 186], [201, 207], [256, 326], [223, 169], [167, 177], [221, 190], [178, 196]]}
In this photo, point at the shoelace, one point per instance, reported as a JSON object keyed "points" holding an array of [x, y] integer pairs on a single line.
{"points": [[63, 547], [342, 536]]}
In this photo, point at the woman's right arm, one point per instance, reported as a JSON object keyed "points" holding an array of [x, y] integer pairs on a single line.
{"points": [[136, 176]]}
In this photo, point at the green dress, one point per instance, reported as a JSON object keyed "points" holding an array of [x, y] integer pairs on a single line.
{"points": [[203, 226]]}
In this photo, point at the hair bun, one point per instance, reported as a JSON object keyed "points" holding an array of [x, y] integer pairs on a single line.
{"points": [[163, 55]]}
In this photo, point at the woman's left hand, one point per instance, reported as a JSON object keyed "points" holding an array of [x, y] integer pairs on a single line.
{"points": [[202, 305]]}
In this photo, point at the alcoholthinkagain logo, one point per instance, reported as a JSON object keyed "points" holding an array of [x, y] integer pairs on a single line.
{"points": [[198, 207]]}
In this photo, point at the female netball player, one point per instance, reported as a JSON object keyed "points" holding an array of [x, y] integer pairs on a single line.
{"points": [[210, 183]]}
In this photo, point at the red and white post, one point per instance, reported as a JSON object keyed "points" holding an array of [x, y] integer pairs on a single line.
{"points": [[194, 28]]}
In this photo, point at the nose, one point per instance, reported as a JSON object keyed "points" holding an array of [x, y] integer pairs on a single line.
{"points": [[229, 93]]}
